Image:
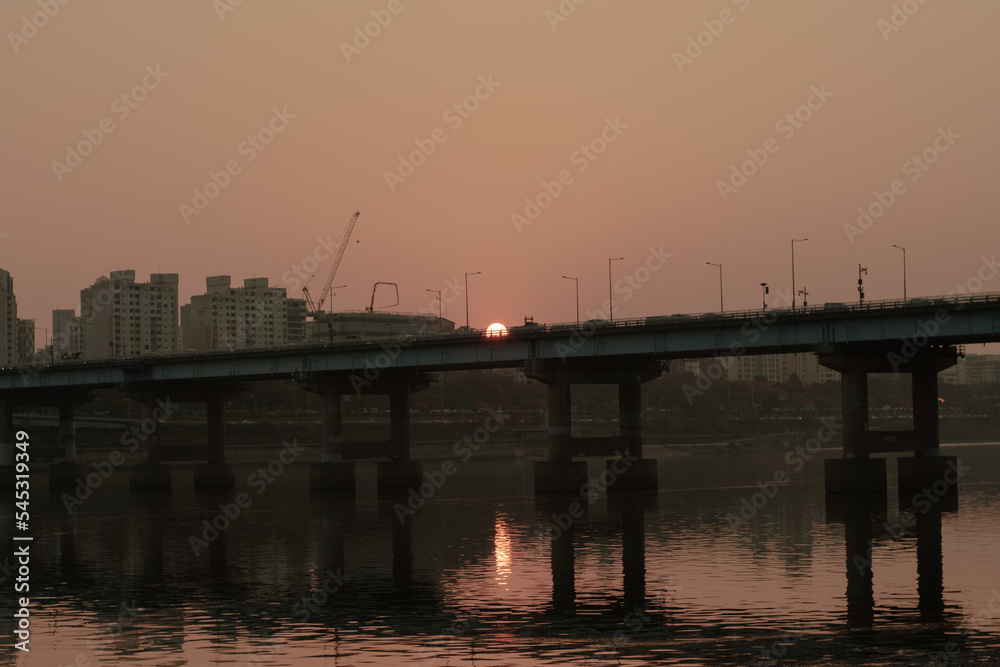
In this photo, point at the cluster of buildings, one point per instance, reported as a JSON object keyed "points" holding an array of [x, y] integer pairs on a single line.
{"points": [[121, 317]]}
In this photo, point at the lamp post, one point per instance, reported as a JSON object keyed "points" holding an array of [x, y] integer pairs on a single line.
{"points": [[577, 281], [722, 306], [438, 292], [904, 268], [794, 241], [611, 298], [467, 274], [333, 294], [763, 296]]}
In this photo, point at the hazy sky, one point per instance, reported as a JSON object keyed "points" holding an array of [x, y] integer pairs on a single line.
{"points": [[663, 120]]}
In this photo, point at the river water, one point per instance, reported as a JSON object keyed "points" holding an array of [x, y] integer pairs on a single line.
{"points": [[483, 573]]}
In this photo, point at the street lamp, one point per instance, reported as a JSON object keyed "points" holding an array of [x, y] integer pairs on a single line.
{"points": [[577, 281], [722, 306], [763, 296], [794, 241], [332, 294], [467, 274], [611, 298], [904, 268], [438, 292]]}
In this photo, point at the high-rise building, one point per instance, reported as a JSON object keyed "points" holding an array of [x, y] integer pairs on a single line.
{"points": [[227, 317], [8, 327], [123, 318], [25, 341], [295, 321]]}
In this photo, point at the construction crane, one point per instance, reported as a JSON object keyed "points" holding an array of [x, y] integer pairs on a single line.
{"points": [[315, 308]]}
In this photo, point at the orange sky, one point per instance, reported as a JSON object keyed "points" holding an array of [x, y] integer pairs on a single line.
{"points": [[681, 126]]}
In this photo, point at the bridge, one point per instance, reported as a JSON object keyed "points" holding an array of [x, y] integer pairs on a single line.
{"points": [[918, 336]]}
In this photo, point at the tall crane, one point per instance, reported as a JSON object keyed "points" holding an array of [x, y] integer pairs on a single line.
{"points": [[315, 308]]}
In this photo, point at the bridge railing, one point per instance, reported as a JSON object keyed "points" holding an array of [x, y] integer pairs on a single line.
{"points": [[918, 303]]}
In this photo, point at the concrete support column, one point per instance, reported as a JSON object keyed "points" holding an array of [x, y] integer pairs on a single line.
{"points": [[67, 430], [560, 472], [630, 416], [6, 432], [216, 409], [332, 433], [925, 410], [399, 423], [854, 397], [560, 418]]}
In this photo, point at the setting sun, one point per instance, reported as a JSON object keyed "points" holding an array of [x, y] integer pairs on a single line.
{"points": [[496, 329]]}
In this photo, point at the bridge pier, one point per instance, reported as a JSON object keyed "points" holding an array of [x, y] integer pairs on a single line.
{"points": [[628, 470], [560, 472], [216, 472], [67, 471], [857, 471], [151, 473], [400, 471], [333, 472]]}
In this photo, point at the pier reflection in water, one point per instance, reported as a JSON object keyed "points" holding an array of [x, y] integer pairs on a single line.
{"points": [[486, 573]]}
